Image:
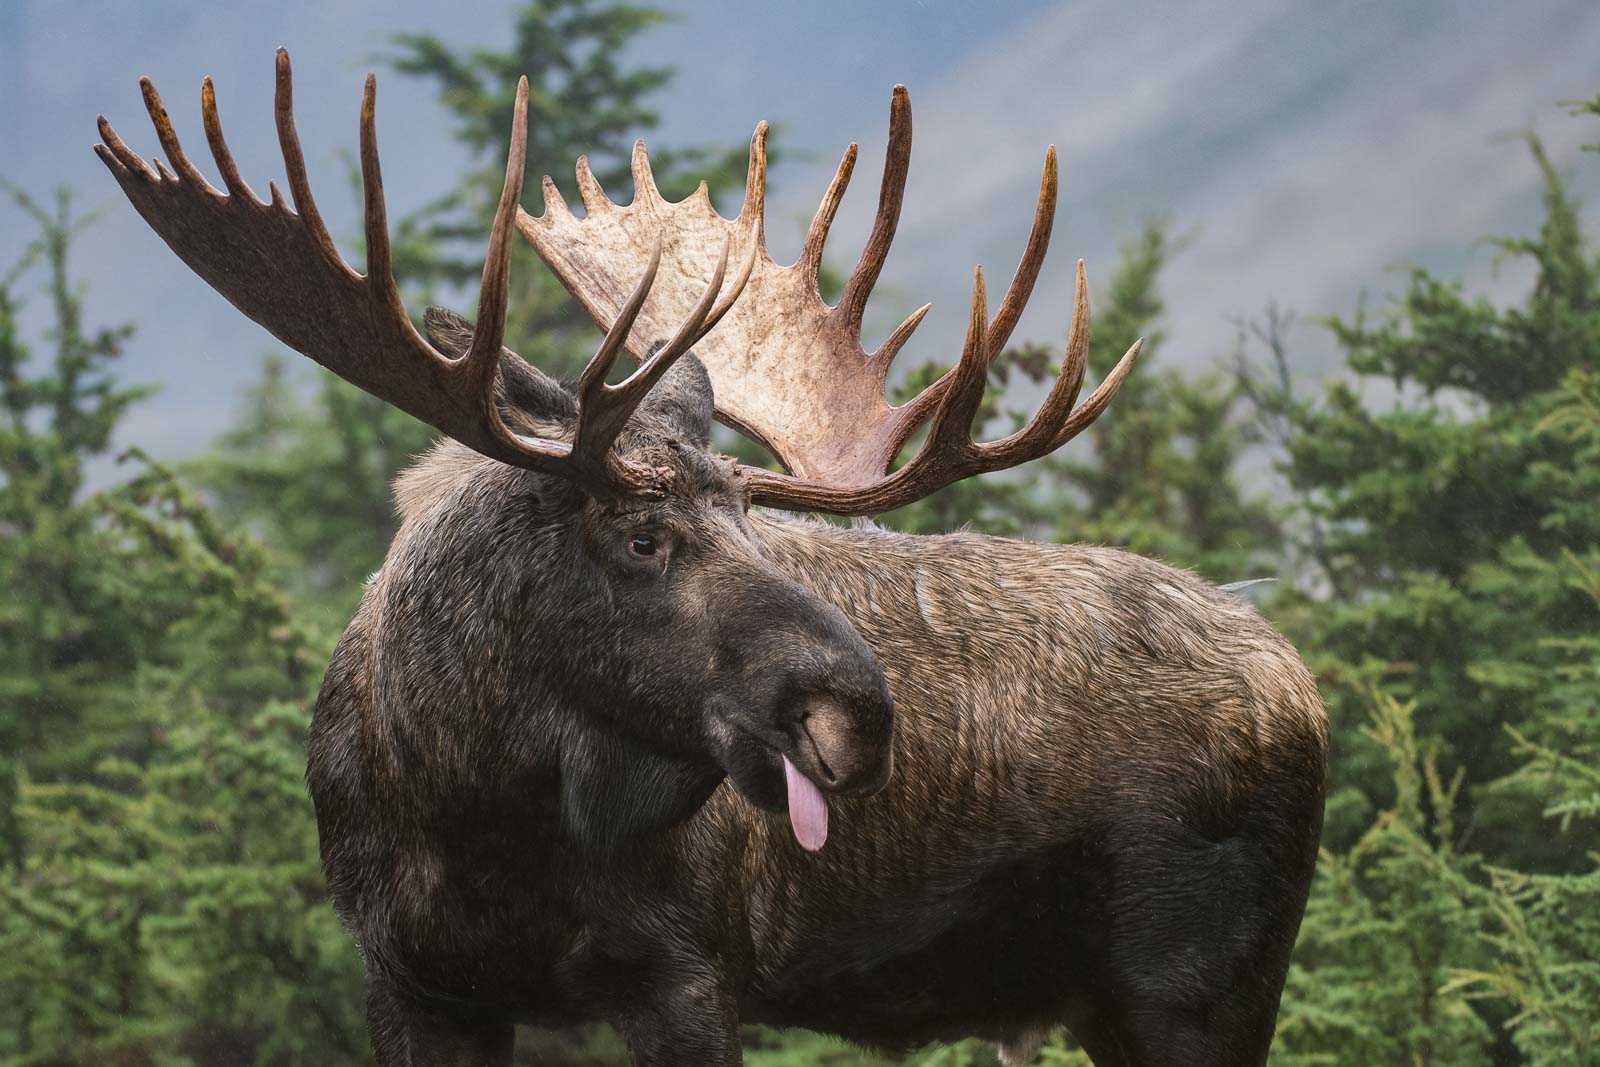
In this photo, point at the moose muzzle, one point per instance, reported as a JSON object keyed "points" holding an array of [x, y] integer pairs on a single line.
{"points": [[814, 716]]}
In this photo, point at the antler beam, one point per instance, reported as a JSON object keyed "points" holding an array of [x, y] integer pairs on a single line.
{"points": [[280, 267]]}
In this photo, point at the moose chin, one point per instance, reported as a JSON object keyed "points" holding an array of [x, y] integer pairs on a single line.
{"points": [[609, 740]]}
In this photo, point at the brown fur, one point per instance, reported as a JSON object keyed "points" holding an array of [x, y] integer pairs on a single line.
{"points": [[1103, 811]]}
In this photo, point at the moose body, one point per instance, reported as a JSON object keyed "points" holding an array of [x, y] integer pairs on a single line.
{"points": [[1104, 807], [603, 742]]}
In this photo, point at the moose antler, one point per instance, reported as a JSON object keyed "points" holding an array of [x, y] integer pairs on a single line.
{"points": [[790, 371], [280, 267]]}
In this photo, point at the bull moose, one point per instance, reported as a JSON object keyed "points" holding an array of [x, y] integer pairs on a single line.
{"points": [[606, 742]]}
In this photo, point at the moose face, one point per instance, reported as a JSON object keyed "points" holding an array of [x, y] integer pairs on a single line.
{"points": [[724, 658], [682, 655]]}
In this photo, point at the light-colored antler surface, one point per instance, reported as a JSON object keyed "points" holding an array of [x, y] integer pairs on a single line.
{"points": [[790, 371], [787, 369]]}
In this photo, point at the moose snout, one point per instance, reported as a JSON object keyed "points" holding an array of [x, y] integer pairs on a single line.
{"points": [[845, 735], [808, 689], [854, 751]]}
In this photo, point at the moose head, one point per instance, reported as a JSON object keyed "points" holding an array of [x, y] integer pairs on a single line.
{"points": [[686, 656]]}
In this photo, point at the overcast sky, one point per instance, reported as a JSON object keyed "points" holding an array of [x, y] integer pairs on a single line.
{"points": [[1313, 148]]}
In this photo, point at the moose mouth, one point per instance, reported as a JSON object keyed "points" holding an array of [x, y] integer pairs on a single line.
{"points": [[808, 808], [806, 776]]}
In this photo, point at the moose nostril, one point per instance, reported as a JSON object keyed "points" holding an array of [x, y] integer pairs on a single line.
{"points": [[848, 754], [822, 763]]}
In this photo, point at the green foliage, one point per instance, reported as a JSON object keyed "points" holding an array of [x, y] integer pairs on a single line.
{"points": [[1452, 586], [1413, 951], [1385, 925], [162, 897], [312, 481], [53, 648], [1444, 514]]}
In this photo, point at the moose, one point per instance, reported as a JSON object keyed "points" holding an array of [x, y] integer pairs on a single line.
{"points": [[607, 739]]}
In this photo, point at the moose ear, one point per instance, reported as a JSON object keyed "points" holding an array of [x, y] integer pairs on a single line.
{"points": [[613, 790], [682, 399], [524, 387]]}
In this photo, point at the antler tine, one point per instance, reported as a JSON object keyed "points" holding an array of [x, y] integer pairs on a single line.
{"points": [[644, 181], [810, 262], [1021, 287], [374, 212], [231, 178], [754, 211], [294, 163], [897, 339], [169, 138], [891, 195], [591, 383], [604, 409], [951, 432], [554, 203], [590, 192], [482, 360], [1098, 400]]}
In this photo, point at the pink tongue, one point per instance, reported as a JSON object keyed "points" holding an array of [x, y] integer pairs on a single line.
{"points": [[808, 811]]}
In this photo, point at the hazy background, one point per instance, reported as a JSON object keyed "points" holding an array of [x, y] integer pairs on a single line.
{"points": [[1308, 147]]}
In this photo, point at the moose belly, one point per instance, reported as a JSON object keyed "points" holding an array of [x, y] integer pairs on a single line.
{"points": [[985, 953]]}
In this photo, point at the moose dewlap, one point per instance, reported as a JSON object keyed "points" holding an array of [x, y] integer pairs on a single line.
{"points": [[603, 742]]}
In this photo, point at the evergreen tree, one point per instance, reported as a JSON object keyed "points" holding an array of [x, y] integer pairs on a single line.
{"points": [[54, 651], [1440, 511], [1455, 588], [160, 892]]}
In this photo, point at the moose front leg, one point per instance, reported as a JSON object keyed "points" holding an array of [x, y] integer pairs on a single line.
{"points": [[404, 1036], [691, 1022]]}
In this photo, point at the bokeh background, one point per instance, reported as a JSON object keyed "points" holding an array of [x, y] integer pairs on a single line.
{"points": [[1354, 233]]}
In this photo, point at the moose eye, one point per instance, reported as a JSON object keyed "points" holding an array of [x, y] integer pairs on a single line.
{"points": [[642, 545]]}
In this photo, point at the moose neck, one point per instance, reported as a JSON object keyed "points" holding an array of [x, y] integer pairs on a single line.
{"points": [[615, 791]]}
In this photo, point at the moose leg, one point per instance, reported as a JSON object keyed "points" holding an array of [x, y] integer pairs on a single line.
{"points": [[695, 1023], [403, 1036], [1200, 945]]}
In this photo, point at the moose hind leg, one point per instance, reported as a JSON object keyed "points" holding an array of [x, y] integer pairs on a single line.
{"points": [[1201, 938]]}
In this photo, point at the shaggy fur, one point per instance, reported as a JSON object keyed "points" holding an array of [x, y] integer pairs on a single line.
{"points": [[547, 780]]}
